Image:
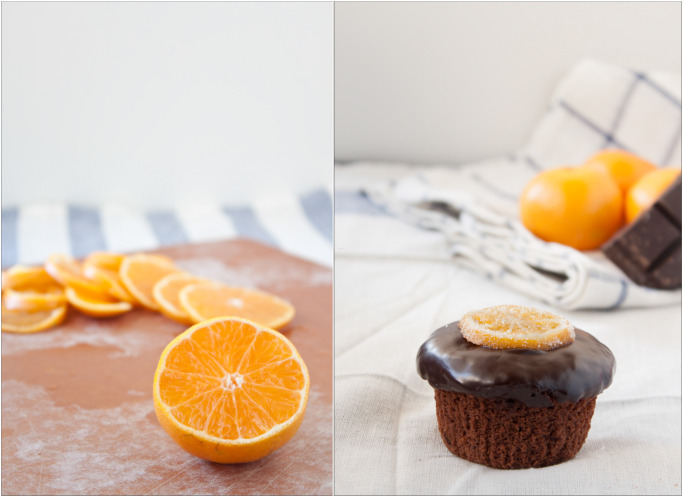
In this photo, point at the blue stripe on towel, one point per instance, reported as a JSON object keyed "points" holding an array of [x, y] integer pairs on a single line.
{"points": [[354, 202], [608, 137], [9, 236], [85, 230], [318, 208], [166, 227], [248, 225]]}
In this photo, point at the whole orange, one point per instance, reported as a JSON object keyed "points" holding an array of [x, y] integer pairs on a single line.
{"points": [[575, 206], [624, 167], [648, 189]]}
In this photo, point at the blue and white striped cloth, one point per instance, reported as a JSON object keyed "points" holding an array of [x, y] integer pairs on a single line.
{"points": [[596, 106], [301, 225]]}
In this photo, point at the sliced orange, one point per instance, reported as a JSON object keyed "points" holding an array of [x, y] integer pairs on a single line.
{"points": [[108, 278], [209, 300], [516, 327], [32, 322], [139, 273], [96, 306], [105, 260], [229, 390], [166, 294], [26, 277], [34, 300], [68, 272]]}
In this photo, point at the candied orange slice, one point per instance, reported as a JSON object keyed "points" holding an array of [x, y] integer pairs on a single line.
{"points": [[229, 390], [32, 322], [140, 272], [166, 294], [210, 300], [46, 298], [96, 305], [68, 272], [26, 277], [516, 327]]}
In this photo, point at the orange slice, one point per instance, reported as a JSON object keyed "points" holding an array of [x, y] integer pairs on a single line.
{"points": [[210, 300], [68, 272], [32, 300], [230, 391], [105, 260], [166, 294], [139, 273], [26, 277], [108, 278], [96, 306], [32, 322], [516, 327]]}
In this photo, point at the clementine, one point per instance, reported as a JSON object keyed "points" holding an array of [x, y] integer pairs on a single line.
{"points": [[575, 206], [647, 190], [624, 167]]}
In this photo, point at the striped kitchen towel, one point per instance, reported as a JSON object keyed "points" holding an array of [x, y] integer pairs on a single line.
{"points": [[475, 206], [298, 224]]}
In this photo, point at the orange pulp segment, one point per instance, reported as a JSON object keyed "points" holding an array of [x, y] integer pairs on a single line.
{"points": [[210, 300], [229, 390], [139, 273]]}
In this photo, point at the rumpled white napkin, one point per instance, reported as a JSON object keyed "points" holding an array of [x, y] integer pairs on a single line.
{"points": [[475, 206]]}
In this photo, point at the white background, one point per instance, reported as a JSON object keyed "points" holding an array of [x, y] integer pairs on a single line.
{"points": [[459, 81], [164, 104]]}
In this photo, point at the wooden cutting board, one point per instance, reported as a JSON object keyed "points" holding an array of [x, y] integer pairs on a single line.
{"points": [[77, 410]]}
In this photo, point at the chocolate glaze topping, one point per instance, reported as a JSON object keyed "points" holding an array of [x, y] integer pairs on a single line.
{"points": [[576, 371]]}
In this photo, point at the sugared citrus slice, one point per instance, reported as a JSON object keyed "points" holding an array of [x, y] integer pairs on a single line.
{"points": [[230, 391], [26, 277], [210, 300], [32, 300], [32, 322], [166, 294], [68, 272], [516, 327], [96, 306], [108, 278], [139, 273]]}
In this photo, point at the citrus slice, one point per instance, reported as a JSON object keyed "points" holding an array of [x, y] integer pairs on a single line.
{"points": [[108, 278], [516, 327], [139, 273], [166, 294], [32, 300], [96, 306], [210, 300], [68, 272], [229, 390], [105, 260], [26, 277], [32, 322]]}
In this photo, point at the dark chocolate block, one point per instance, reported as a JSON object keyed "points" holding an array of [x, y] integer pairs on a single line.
{"points": [[649, 249]]}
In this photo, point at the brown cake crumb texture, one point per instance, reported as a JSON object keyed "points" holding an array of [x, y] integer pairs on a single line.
{"points": [[506, 434]]}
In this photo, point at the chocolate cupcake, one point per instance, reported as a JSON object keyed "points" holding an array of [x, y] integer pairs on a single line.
{"points": [[519, 391]]}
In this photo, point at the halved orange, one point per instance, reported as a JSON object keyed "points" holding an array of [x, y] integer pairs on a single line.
{"points": [[209, 300], [32, 322], [516, 327], [96, 305], [229, 390], [166, 294], [140, 272], [68, 272], [34, 300], [108, 278], [26, 277]]}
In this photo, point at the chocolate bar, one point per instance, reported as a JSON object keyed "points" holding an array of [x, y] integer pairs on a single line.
{"points": [[648, 250]]}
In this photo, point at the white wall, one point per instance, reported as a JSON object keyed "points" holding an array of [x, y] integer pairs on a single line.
{"points": [[156, 104], [454, 82]]}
